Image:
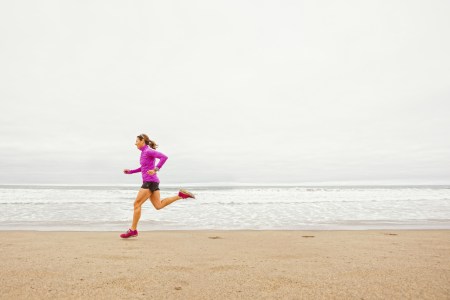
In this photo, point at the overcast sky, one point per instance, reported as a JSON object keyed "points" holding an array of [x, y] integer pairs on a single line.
{"points": [[232, 91]]}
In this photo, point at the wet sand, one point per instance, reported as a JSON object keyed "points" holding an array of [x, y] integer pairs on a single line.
{"points": [[372, 264]]}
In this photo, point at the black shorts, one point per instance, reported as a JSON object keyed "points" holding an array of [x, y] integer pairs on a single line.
{"points": [[151, 185]]}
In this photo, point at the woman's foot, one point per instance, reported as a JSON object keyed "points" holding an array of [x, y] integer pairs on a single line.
{"points": [[185, 194], [129, 233]]}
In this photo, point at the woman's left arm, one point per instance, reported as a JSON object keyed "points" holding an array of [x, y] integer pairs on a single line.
{"points": [[162, 158]]}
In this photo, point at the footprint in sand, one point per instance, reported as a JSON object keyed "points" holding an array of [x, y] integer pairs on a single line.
{"points": [[214, 237], [390, 234], [307, 236]]}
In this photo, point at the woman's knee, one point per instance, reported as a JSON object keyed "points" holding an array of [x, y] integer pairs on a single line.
{"points": [[137, 205]]}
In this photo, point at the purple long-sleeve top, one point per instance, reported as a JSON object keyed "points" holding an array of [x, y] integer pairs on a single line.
{"points": [[148, 156]]}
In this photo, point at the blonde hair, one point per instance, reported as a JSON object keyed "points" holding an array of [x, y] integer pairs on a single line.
{"points": [[147, 140]]}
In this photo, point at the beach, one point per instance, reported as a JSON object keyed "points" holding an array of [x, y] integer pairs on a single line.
{"points": [[226, 264]]}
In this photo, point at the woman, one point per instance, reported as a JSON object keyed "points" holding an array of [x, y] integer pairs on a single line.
{"points": [[150, 185]]}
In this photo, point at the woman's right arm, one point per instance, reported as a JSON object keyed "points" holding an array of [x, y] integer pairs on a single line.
{"points": [[126, 171]]}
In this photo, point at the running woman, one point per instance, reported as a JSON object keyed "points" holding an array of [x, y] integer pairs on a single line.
{"points": [[150, 185]]}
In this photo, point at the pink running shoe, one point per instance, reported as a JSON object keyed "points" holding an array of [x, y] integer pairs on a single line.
{"points": [[129, 233], [185, 194]]}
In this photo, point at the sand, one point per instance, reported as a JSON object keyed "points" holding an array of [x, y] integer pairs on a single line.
{"points": [[373, 264]]}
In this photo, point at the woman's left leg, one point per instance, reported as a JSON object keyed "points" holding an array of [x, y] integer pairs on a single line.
{"points": [[158, 204], [141, 197]]}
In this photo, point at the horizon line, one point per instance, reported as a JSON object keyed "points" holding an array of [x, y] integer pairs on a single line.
{"points": [[347, 183]]}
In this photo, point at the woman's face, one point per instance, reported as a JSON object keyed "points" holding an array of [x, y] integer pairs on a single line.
{"points": [[139, 143]]}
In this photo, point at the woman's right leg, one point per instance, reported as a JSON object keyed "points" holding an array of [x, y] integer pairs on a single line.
{"points": [[158, 203], [141, 197]]}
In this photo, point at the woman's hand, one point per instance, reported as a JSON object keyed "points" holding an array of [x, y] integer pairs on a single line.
{"points": [[126, 171], [151, 172]]}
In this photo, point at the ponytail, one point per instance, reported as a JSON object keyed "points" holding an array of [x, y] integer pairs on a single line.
{"points": [[148, 141]]}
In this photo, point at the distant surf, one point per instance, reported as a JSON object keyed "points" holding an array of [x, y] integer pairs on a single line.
{"points": [[227, 207]]}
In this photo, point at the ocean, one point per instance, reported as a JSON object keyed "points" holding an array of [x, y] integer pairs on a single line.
{"points": [[110, 208]]}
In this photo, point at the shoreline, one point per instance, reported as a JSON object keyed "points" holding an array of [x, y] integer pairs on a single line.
{"points": [[226, 264], [220, 230], [161, 228]]}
